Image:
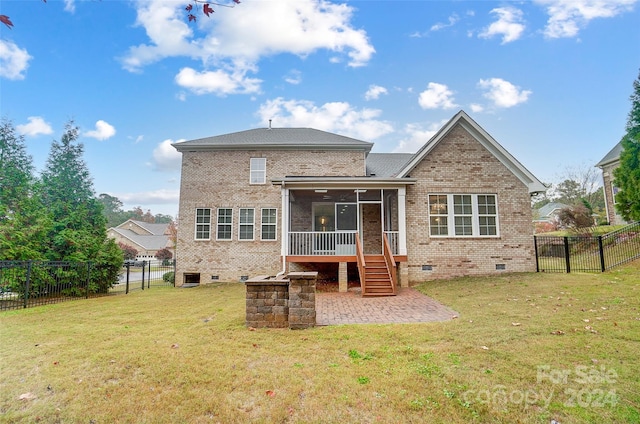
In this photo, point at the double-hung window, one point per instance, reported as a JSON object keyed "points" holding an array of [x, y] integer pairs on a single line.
{"points": [[258, 171], [203, 223], [246, 224], [463, 215], [269, 224], [225, 221]]}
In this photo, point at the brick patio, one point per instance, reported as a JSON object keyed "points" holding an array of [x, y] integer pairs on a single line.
{"points": [[409, 306]]}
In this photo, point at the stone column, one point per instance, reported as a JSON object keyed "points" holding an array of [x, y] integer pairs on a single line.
{"points": [[266, 303], [343, 277], [403, 274], [302, 299]]}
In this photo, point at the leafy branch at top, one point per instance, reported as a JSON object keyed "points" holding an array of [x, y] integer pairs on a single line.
{"points": [[206, 8]]}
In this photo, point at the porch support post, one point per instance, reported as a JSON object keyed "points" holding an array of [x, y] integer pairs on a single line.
{"points": [[403, 274], [402, 221], [343, 281], [284, 225]]}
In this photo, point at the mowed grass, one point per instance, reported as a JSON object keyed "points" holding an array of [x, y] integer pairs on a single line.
{"points": [[525, 348]]}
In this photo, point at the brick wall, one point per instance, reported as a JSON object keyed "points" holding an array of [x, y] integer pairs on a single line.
{"points": [[460, 164], [221, 179]]}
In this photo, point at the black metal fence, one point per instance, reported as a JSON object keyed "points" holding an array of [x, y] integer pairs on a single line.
{"points": [[141, 275], [587, 253], [25, 284]]}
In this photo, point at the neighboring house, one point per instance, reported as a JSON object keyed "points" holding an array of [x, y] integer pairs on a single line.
{"points": [[271, 200], [146, 238], [608, 163], [549, 212]]}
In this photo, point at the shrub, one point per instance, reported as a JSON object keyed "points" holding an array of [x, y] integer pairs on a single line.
{"points": [[169, 277]]}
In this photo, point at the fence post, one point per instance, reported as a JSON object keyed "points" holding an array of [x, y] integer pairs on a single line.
{"points": [[149, 277], [88, 277], [127, 289], [535, 246], [567, 256], [174, 272], [144, 266], [27, 284], [601, 249]]}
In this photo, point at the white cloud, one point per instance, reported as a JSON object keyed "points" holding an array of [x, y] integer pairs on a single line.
{"points": [[35, 127], [476, 108], [374, 92], [70, 6], [154, 197], [218, 82], [566, 18], [103, 131], [415, 136], [502, 93], [453, 19], [14, 61], [293, 77], [237, 40], [337, 117], [437, 96], [510, 25], [166, 157]]}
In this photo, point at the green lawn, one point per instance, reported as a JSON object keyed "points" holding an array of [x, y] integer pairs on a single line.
{"points": [[525, 348]]}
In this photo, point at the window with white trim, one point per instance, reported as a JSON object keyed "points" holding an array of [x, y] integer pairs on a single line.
{"points": [[246, 224], [258, 171], [472, 215], [614, 192], [268, 228], [203, 224], [225, 221]]}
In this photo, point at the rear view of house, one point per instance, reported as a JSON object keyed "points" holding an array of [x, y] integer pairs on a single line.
{"points": [[274, 200]]}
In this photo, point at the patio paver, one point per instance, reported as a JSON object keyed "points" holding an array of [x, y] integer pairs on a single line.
{"points": [[408, 306]]}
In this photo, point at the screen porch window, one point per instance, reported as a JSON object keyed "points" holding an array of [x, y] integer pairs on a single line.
{"points": [[246, 224], [258, 171], [268, 230], [203, 224], [225, 221], [463, 215]]}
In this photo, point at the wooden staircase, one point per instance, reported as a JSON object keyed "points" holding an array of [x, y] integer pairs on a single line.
{"points": [[378, 281]]}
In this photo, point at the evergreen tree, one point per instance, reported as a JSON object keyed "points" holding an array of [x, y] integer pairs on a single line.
{"points": [[78, 232], [23, 222], [627, 175]]}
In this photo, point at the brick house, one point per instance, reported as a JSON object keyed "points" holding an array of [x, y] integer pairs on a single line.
{"points": [[274, 200], [146, 238], [607, 164]]}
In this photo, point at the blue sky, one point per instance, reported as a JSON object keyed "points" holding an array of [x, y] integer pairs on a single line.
{"points": [[550, 80]]}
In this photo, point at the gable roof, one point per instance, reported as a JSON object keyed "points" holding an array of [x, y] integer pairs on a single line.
{"points": [[612, 156], [386, 164], [547, 209], [152, 229], [275, 138], [145, 242], [461, 118]]}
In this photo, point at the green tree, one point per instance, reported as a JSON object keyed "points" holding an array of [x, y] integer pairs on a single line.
{"points": [[627, 175], [23, 222], [112, 207]]}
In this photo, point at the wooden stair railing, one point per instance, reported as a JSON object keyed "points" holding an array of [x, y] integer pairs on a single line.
{"points": [[362, 265], [391, 263]]}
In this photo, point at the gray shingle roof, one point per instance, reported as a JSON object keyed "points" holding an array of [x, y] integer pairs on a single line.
{"points": [[546, 210], [612, 156], [275, 138], [386, 164], [147, 242], [155, 229]]}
